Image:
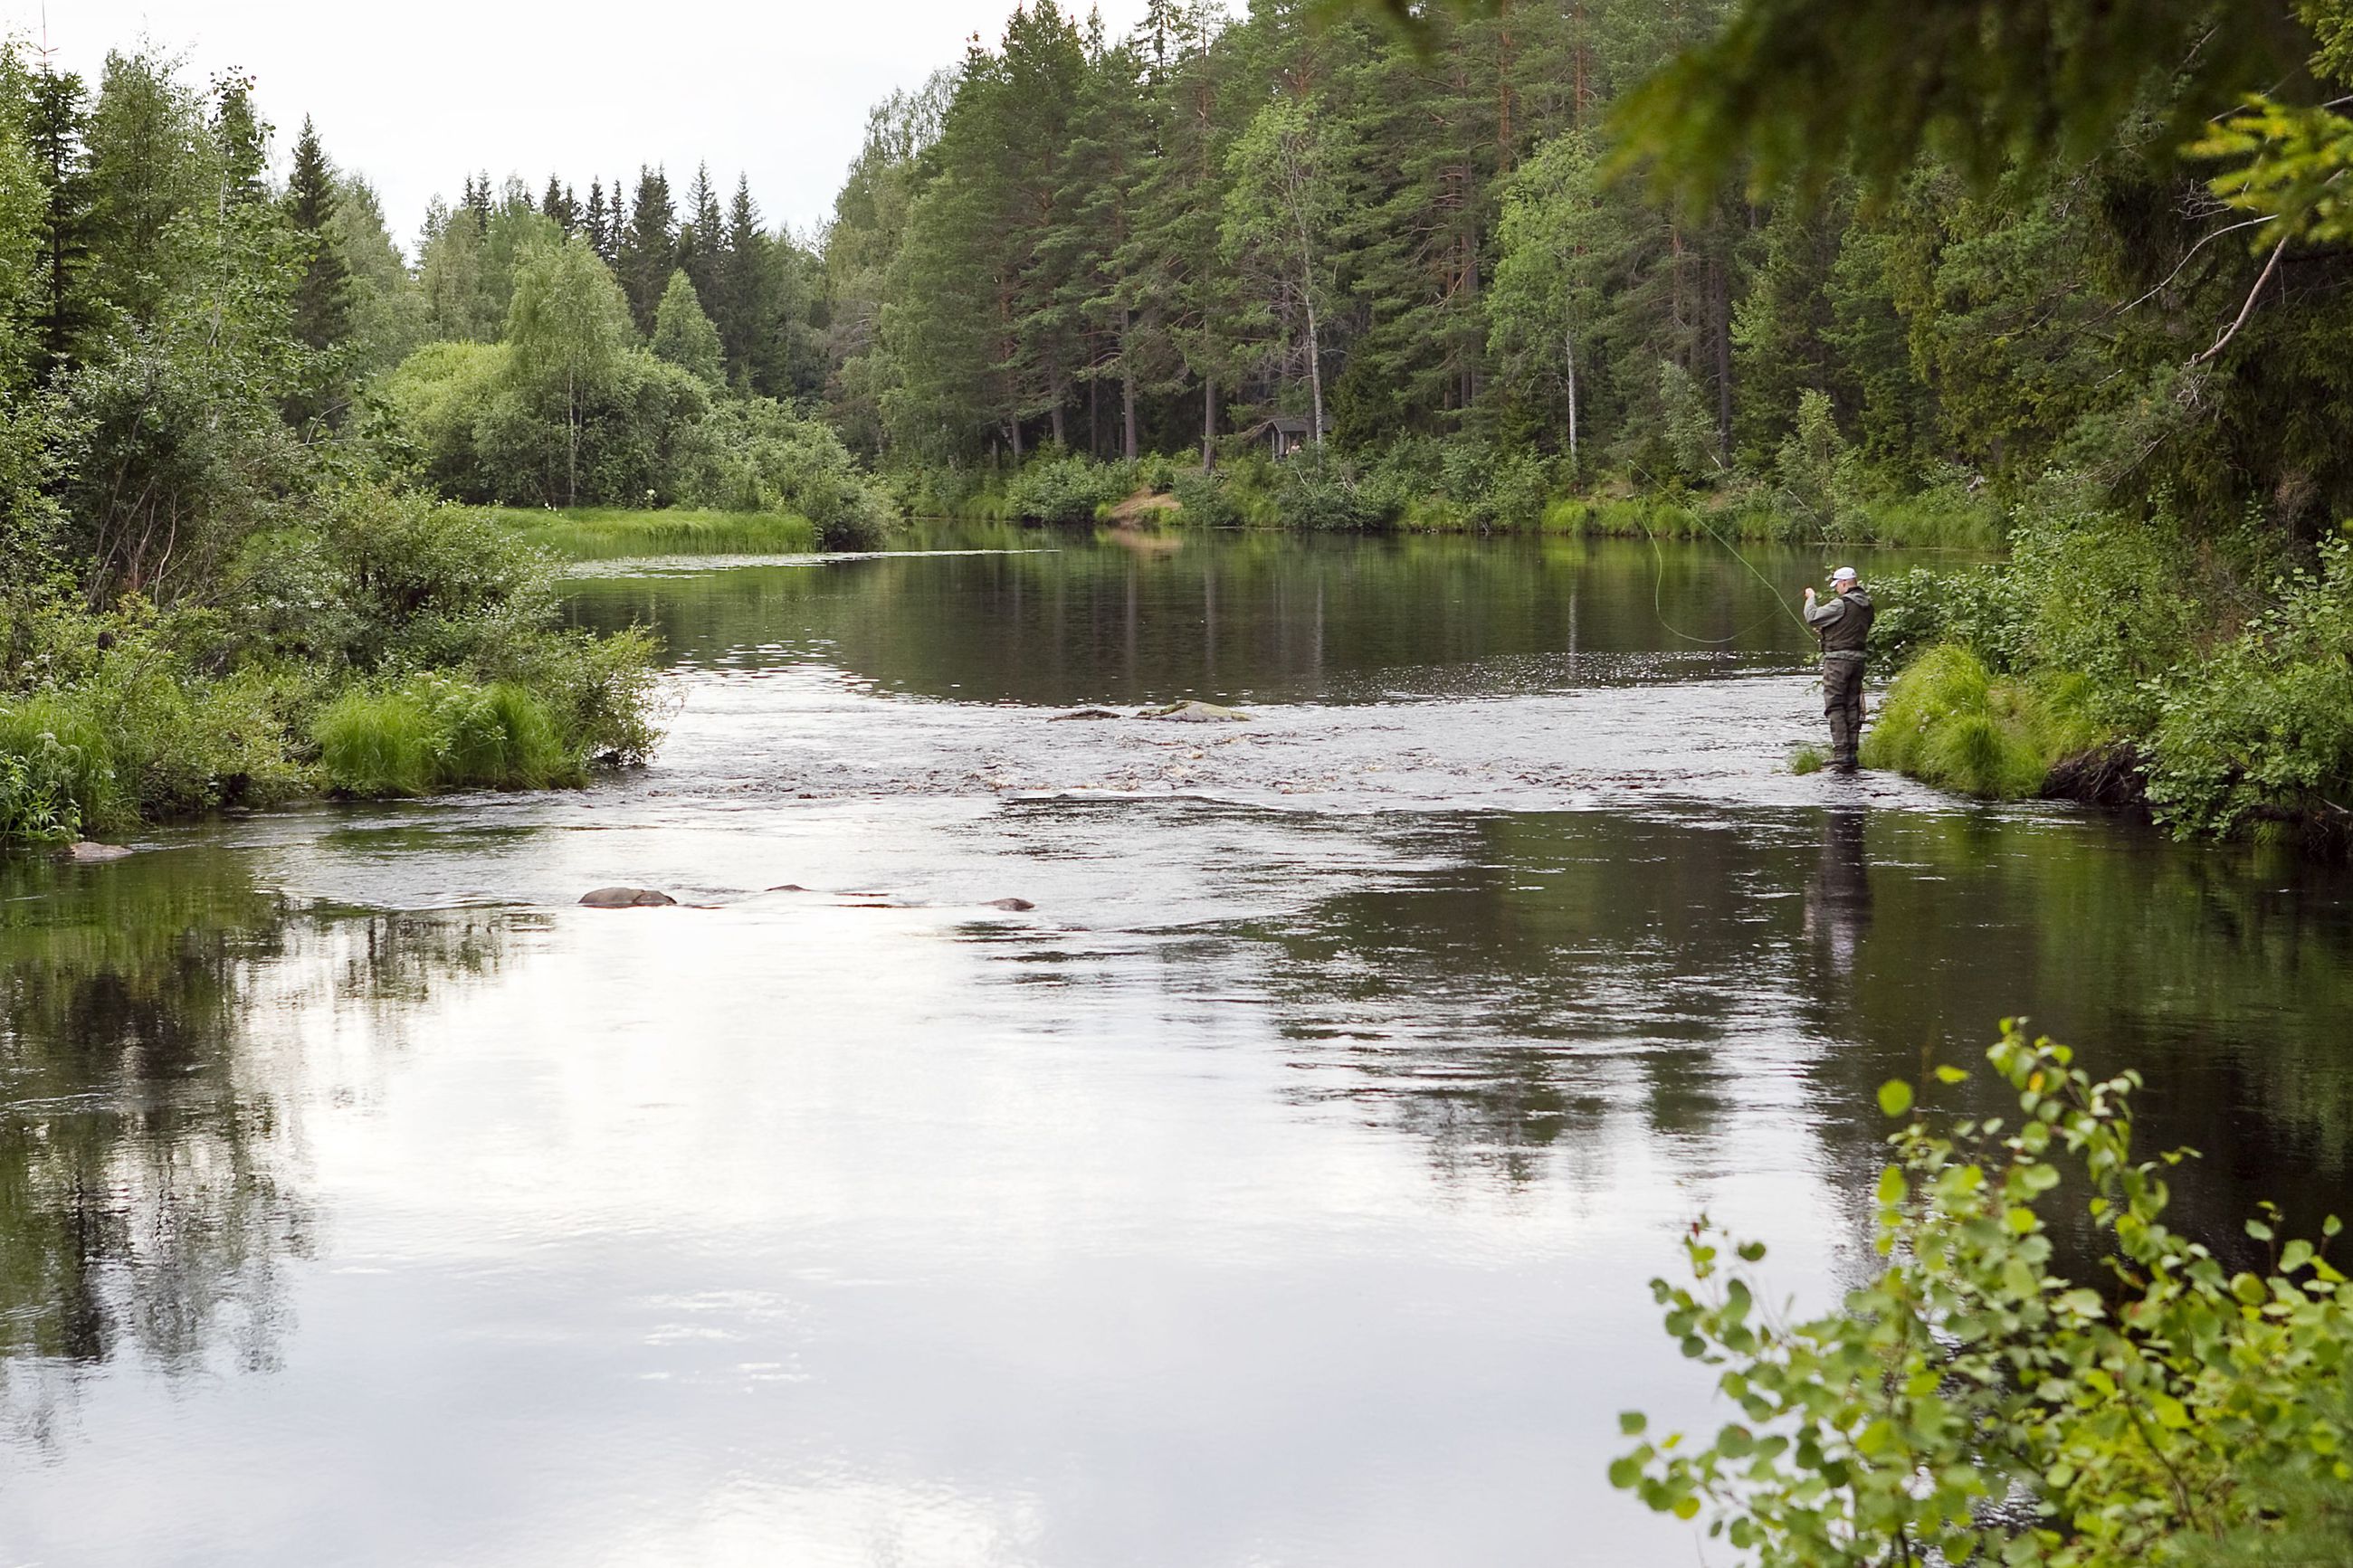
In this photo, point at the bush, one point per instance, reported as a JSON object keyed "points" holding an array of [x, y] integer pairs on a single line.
{"points": [[1067, 489], [1948, 721], [1202, 499], [2263, 729], [1969, 1405], [763, 456]]}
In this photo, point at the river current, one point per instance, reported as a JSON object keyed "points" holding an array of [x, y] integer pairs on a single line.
{"points": [[1279, 1186]]}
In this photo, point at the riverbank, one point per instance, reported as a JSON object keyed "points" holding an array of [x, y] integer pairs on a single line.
{"points": [[390, 646], [1427, 488]]}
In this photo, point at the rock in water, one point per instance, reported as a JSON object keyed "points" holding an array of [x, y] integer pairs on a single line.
{"points": [[1189, 712], [1009, 904], [90, 850], [626, 898], [1084, 713]]}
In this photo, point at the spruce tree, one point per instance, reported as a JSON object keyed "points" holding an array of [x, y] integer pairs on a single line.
{"points": [[649, 248], [684, 335], [742, 291], [322, 296], [55, 120], [597, 223], [703, 236]]}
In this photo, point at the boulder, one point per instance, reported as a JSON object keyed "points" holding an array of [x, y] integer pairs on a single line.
{"points": [[91, 850], [1084, 713], [1009, 904], [626, 898], [1189, 712]]}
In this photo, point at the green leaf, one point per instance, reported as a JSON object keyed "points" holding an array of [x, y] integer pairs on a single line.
{"points": [[1895, 1097], [2294, 1256], [1625, 1471], [1950, 1074], [1632, 1422], [1893, 1187]]}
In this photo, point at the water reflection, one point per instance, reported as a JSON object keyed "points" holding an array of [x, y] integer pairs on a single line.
{"points": [[1063, 618], [151, 1189]]}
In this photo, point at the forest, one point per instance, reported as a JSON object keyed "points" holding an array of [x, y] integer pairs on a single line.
{"points": [[1591, 267]]}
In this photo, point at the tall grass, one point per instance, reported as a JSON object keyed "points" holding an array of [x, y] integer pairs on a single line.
{"points": [[56, 773], [432, 733], [606, 534], [1949, 721]]}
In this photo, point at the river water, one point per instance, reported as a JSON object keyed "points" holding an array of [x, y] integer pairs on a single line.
{"points": [[1280, 1188]]}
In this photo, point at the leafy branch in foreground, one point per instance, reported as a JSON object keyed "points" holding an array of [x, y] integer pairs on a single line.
{"points": [[1969, 1405]]}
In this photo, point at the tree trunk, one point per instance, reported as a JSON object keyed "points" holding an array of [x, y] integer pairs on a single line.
{"points": [[1208, 423], [1722, 326], [1314, 369], [1568, 359], [1126, 391], [572, 440]]}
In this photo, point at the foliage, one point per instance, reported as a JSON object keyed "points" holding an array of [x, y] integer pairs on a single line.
{"points": [[1947, 721], [1066, 489], [762, 456], [2263, 729], [1967, 1403]]}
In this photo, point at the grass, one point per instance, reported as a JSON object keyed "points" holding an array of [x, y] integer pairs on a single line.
{"points": [[1808, 760], [606, 534], [1950, 722], [434, 734]]}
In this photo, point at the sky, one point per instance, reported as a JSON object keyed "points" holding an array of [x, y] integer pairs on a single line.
{"points": [[417, 95]]}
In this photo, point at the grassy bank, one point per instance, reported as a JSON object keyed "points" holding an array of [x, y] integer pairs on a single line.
{"points": [[606, 534], [386, 645]]}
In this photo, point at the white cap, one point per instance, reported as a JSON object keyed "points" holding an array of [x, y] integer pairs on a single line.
{"points": [[1843, 574]]}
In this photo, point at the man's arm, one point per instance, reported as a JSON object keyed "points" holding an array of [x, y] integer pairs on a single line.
{"points": [[1821, 613]]}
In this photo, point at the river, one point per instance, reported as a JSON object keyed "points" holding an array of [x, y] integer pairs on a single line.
{"points": [[1279, 1188]]}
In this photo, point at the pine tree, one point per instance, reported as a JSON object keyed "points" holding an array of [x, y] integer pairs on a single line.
{"points": [[322, 297]]}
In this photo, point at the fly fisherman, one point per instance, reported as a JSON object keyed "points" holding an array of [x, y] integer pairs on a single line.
{"points": [[1843, 624]]}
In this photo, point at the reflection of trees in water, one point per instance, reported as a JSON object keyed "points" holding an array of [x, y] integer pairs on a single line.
{"points": [[1261, 613], [1543, 973], [1546, 973], [150, 1195]]}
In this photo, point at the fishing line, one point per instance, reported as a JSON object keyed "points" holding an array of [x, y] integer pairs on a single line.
{"points": [[1658, 581]]}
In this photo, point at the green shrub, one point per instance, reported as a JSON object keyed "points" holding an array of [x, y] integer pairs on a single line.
{"points": [[1967, 1403], [2263, 729], [1203, 499], [1948, 721], [1067, 489]]}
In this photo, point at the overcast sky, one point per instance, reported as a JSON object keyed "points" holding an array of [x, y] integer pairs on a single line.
{"points": [[416, 95]]}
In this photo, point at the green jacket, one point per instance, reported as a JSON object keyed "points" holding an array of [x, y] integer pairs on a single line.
{"points": [[1842, 621]]}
